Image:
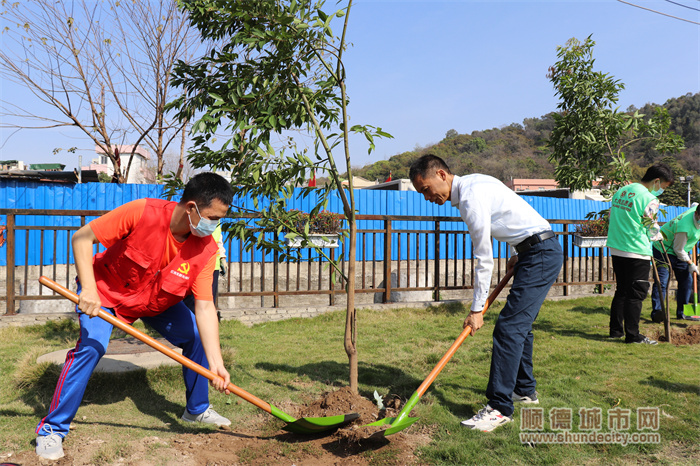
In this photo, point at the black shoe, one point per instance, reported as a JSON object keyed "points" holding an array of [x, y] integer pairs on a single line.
{"points": [[657, 316]]}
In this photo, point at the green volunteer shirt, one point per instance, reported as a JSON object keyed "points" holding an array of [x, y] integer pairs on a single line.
{"points": [[684, 223], [626, 232]]}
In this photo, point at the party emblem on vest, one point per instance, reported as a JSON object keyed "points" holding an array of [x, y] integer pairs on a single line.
{"points": [[184, 268], [182, 271]]}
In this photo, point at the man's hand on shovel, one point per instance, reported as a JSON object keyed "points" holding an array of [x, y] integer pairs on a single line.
{"points": [[89, 303], [476, 319], [220, 384], [692, 268]]}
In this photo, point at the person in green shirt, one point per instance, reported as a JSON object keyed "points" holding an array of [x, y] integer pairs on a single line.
{"points": [[629, 240], [680, 237]]}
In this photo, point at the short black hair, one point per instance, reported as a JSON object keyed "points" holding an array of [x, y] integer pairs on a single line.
{"points": [[425, 165], [659, 170], [203, 188]]}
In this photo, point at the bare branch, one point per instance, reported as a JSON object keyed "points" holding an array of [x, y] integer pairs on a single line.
{"points": [[101, 66]]}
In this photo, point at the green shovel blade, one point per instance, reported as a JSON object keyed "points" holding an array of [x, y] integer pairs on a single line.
{"points": [[399, 426], [691, 309], [401, 421], [311, 425]]}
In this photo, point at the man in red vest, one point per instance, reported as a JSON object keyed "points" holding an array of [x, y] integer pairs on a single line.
{"points": [[157, 252]]}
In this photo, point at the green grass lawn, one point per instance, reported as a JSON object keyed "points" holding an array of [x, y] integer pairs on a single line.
{"points": [[296, 360]]}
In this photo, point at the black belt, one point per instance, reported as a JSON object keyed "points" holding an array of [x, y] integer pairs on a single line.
{"points": [[533, 240]]}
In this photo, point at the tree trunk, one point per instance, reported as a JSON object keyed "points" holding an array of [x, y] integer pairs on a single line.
{"points": [[350, 316]]}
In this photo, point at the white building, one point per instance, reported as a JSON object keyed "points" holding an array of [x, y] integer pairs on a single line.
{"points": [[138, 172], [13, 165], [400, 184]]}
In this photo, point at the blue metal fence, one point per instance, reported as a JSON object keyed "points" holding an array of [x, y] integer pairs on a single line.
{"points": [[107, 196]]}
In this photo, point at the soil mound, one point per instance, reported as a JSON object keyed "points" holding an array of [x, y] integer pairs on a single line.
{"points": [[344, 401], [682, 336], [341, 401]]}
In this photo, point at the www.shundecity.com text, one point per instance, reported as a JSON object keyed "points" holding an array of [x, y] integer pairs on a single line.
{"points": [[618, 438]]}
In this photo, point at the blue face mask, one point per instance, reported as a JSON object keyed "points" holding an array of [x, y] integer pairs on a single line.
{"points": [[205, 227]]}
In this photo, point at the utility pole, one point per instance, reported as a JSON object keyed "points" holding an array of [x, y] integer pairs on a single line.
{"points": [[687, 179]]}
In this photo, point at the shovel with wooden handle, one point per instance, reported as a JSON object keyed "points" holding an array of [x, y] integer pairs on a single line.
{"points": [[663, 301], [402, 421], [307, 425]]}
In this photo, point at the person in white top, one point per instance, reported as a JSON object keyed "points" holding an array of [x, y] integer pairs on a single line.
{"points": [[492, 210]]}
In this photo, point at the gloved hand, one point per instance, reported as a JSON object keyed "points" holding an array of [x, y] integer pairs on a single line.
{"points": [[692, 268], [223, 266]]}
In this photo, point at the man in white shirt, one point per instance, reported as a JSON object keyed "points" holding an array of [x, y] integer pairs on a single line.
{"points": [[490, 209]]}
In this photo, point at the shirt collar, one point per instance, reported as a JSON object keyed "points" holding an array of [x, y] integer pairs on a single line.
{"points": [[454, 195]]}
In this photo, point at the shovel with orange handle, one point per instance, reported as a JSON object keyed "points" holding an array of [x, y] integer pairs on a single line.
{"points": [[691, 310], [402, 421], [307, 425]]}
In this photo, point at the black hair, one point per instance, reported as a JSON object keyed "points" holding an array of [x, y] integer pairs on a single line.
{"points": [[203, 188], [659, 170], [425, 165]]}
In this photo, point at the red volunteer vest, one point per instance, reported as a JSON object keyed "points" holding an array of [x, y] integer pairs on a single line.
{"points": [[128, 274]]}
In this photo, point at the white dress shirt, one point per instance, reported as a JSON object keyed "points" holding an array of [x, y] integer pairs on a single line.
{"points": [[491, 209]]}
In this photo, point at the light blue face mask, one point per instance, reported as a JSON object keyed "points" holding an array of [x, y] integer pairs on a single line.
{"points": [[205, 227], [657, 192]]}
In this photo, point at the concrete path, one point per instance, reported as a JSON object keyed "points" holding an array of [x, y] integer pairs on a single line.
{"points": [[123, 355]]}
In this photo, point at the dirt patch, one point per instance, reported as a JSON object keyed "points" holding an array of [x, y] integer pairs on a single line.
{"points": [[224, 448], [682, 336], [353, 445]]}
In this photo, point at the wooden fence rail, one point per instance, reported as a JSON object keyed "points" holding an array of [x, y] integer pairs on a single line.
{"points": [[436, 260]]}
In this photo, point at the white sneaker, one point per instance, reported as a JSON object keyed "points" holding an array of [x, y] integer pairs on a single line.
{"points": [[645, 341], [487, 420], [208, 417], [525, 399], [49, 447]]}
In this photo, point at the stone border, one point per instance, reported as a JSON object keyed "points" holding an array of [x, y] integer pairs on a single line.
{"points": [[252, 316], [247, 316]]}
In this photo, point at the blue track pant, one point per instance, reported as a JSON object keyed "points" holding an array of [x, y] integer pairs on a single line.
{"points": [[177, 325]]}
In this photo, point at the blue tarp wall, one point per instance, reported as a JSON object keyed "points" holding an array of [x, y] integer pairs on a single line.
{"points": [[107, 196]]}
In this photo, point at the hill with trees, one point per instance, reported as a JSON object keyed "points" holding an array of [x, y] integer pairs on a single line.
{"points": [[520, 150]]}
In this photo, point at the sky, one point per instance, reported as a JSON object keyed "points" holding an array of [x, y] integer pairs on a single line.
{"points": [[420, 68]]}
